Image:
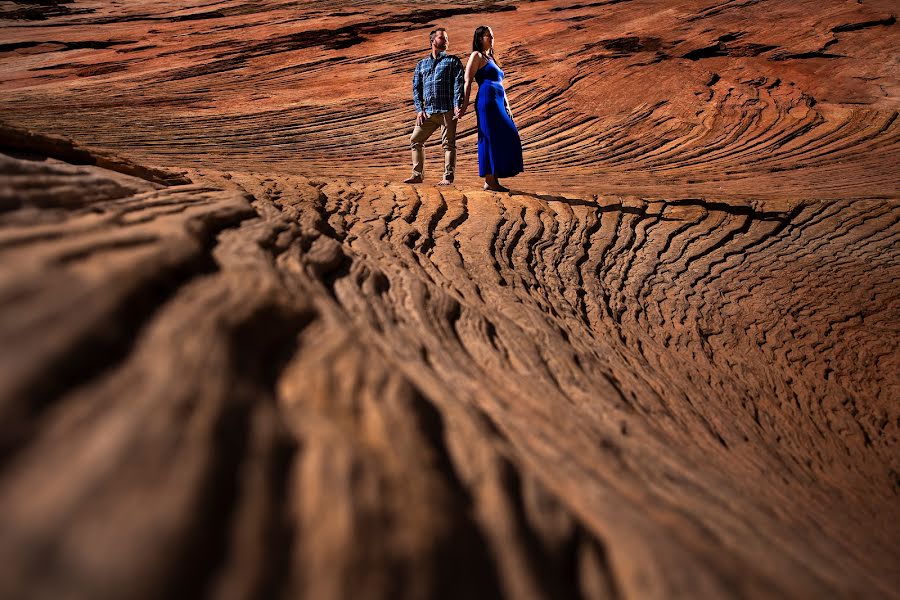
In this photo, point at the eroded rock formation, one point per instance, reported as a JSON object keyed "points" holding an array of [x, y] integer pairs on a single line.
{"points": [[240, 361]]}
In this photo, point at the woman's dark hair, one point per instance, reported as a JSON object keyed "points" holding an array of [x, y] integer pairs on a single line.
{"points": [[476, 42]]}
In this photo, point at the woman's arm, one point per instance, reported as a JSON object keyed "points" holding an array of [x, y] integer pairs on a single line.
{"points": [[475, 63]]}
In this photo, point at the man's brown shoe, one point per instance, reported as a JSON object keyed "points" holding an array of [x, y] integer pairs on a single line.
{"points": [[413, 179]]}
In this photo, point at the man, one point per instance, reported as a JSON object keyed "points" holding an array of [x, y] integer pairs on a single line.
{"points": [[438, 96]]}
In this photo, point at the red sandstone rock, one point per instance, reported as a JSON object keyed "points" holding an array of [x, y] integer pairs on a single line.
{"points": [[237, 360]]}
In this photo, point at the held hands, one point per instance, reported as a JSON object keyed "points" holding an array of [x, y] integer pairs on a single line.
{"points": [[461, 110]]}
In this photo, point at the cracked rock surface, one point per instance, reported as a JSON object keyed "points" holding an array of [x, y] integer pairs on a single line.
{"points": [[238, 360]]}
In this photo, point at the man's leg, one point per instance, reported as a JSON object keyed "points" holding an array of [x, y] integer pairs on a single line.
{"points": [[417, 142], [448, 141]]}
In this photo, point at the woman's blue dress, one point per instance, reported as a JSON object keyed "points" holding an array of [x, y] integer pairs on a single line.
{"points": [[499, 146]]}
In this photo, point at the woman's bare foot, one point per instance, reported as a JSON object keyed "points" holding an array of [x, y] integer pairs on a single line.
{"points": [[492, 184]]}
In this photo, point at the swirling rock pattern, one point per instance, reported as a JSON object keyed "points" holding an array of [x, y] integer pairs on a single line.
{"points": [[238, 361], [688, 98]]}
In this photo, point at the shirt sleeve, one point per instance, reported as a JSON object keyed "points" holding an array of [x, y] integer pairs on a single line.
{"points": [[418, 100], [458, 84]]}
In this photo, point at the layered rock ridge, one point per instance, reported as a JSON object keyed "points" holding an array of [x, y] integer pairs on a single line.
{"points": [[258, 384], [238, 361]]}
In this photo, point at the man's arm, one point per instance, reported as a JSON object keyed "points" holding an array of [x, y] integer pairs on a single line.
{"points": [[458, 84], [418, 98]]}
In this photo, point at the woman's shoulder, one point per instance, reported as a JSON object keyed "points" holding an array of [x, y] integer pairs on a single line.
{"points": [[478, 57]]}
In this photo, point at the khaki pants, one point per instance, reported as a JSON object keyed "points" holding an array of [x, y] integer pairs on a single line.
{"points": [[448, 141]]}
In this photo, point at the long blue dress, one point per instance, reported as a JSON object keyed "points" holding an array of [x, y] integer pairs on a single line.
{"points": [[499, 146]]}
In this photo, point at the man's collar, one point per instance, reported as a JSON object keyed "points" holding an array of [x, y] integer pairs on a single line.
{"points": [[439, 56]]}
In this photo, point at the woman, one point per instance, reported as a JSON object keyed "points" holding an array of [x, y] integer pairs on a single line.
{"points": [[499, 146]]}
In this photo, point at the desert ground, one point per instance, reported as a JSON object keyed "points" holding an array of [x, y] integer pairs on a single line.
{"points": [[240, 359]]}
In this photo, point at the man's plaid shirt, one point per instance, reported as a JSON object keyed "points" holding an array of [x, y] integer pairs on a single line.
{"points": [[438, 84]]}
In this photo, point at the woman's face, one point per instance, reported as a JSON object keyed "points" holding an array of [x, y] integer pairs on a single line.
{"points": [[487, 40]]}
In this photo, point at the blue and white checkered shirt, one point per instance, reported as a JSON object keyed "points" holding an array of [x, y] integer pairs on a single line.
{"points": [[438, 84]]}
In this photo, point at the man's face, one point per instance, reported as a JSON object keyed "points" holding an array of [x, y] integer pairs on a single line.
{"points": [[441, 41]]}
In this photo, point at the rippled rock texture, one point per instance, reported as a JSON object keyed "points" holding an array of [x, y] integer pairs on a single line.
{"points": [[238, 360]]}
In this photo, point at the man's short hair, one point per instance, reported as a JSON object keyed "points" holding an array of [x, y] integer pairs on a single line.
{"points": [[432, 35]]}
